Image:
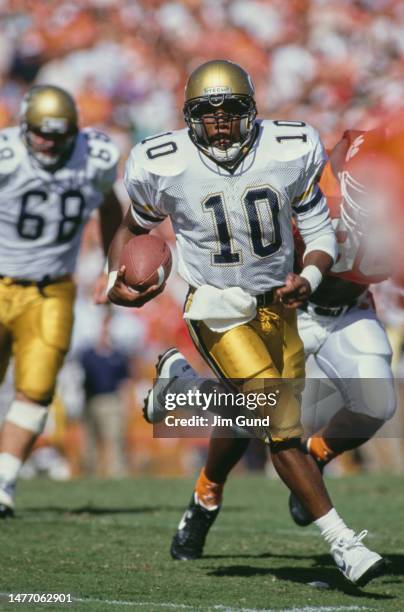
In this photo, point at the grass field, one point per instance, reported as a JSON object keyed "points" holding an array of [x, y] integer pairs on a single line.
{"points": [[106, 543]]}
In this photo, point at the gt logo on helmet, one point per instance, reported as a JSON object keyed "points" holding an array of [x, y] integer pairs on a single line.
{"points": [[52, 125], [212, 91]]}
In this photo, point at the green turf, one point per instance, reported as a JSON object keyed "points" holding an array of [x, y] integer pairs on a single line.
{"points": [[108, 541]]}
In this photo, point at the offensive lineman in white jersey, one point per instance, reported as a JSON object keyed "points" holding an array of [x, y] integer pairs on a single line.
{"points": [[52, 176], [230, 185]]}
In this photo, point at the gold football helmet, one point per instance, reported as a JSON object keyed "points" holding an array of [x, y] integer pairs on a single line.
{"points": [[220, 93], [49, 124]]}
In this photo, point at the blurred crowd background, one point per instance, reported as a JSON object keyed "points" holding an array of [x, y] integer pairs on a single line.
{"points": [[336, 65]]}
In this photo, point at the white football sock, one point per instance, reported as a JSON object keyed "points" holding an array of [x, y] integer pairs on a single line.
{"points": [[332, 526], [10, 466]]}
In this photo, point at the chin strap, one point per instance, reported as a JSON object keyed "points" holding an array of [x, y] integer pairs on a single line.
{"points": [[227, 155]]}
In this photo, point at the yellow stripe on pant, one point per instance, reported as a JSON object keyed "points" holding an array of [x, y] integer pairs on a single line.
{"points": [[261, 356]]}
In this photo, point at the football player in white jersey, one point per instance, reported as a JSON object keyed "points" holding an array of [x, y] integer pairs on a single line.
{"points": [[341, 333], [52, 176], [231, 185]]}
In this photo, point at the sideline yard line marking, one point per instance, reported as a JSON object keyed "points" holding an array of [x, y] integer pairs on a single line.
{"points": [[115, 602], [323, 609], [221, 607]]}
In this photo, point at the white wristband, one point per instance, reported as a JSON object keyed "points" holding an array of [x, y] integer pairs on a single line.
{"points": [[111, 280], [313, 275]]}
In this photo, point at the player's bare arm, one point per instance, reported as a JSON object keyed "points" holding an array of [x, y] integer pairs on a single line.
{"points": [[297, 288], [110, 218], [313, 222], [119, 293]]}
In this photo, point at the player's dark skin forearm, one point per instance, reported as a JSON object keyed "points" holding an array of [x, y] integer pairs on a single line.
{"points": [[320, 259], [110, 219], [296, 290]]}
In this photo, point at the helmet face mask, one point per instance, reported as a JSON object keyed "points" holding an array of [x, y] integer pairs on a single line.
{"points": [[220, 109], [353, 207], [49, 149], [49, 125], [367, 207]]}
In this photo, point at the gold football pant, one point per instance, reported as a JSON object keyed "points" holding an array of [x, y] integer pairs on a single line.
{"points": [[263, 355], [35, 327]]}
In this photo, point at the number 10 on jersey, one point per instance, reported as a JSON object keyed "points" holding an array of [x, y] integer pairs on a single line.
{"points": [[258, 203]]}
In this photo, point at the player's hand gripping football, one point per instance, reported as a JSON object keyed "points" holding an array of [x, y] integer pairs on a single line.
{"points": [[122, 295], [295, 291]]}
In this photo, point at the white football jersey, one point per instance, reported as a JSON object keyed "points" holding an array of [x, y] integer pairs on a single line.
{"points": [[42, 213], [233, 228]]}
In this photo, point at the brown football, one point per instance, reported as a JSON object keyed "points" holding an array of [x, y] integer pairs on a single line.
{"points": [[147, 259]]}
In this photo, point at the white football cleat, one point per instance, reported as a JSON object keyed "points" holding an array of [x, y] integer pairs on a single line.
{"points": [[358, 564], [170, 366]]}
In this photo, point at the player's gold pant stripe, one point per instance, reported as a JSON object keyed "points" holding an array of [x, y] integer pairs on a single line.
{"points": [[199, 344], [259, 357]]}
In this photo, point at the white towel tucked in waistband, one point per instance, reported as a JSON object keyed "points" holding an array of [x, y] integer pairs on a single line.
{"points": [[222, 309]]}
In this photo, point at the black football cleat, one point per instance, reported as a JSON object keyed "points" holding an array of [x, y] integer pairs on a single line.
{"points": [[6, 512], [189, 539]]}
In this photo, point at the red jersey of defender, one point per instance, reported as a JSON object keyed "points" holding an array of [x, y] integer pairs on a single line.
{"points": [[360, 260]]}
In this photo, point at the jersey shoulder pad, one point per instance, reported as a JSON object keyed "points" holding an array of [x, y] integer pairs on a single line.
{"points": [[12, 151], [363, 145], [351, 135], [290, 140], [165, 154], [102, 156], [102, 151]]}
